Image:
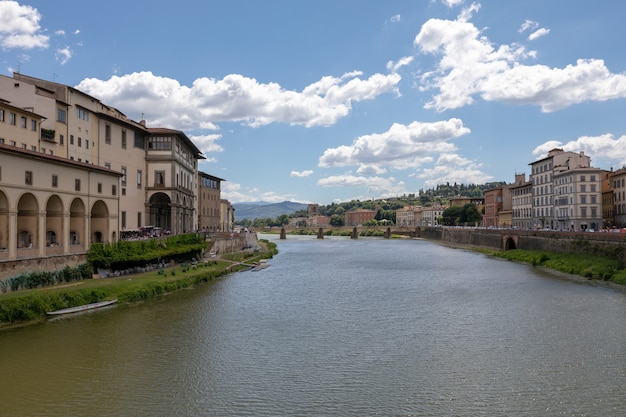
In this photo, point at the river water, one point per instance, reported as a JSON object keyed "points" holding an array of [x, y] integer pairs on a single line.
{"points": [[336, 327]]}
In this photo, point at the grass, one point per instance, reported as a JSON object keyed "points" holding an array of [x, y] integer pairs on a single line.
{"points": [[31, 305], [588, 266]]}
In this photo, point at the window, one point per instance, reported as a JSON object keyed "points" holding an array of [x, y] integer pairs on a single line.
{"points": [[123, 139], [71, 139], [87, 143], [61, 140], [123, 220], [99, 188], [23, 122], [592, 188], [593, 199], [583, 188], [28, 178], [139, 175], [1, 115], [583, 199], [82, 113], [160, 143], [123, 191], [594, 211], [55, 180], [76, 184], [107, 134], [583, 212], [113, 189], [123, 175], [61, 116], [159, 178], [12, 118], [139, 219], [139, 141], [34, 149], [79, 141], [107, 165], [33, 125]]}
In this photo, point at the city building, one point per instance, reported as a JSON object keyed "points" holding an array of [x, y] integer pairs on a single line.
{"points": [[209, 196], [521, 202], [430, 216], [542, 179], [618, 185], [405, 216], [358, 217], [493, 206]]}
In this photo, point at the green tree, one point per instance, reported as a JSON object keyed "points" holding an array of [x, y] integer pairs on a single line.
{"points": [[336, 220]]}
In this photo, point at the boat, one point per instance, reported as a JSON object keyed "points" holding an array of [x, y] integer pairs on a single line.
{"points": [[81, 308]]}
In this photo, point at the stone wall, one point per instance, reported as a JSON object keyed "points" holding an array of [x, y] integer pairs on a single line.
{"points": [[10, 269], [604, 244]]}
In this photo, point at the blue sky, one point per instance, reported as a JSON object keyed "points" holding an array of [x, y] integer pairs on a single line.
{"points": [[327, 101]]}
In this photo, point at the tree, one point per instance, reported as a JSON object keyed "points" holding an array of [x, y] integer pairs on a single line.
{"points": [[336, 220]]}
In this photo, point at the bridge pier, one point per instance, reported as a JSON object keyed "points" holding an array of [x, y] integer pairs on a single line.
{"points": [[387, 234], [320, 233], [354, 234], [283, 234]]}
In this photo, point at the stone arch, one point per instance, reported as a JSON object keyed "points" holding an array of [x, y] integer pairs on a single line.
{"points": [[509, 243], [160, 211], [4, 220], [54, 221], [99, 222], [77, 221], [27, 221]]}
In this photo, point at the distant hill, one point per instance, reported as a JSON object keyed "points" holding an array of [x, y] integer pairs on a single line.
{"points": [[264, 210]]}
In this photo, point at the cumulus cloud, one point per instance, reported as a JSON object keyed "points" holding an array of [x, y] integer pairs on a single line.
{"points": [[452, 3], [207, 143], [237, 98], [471, 65], [395, 66], [63, 55], [400, 147], [302, 174], [453, 168], [603, 147], [19, 27], [375, 185], [538, 34], [395, 18]]}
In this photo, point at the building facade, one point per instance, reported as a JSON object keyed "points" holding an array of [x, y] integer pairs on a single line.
{"points": [[209, 196], [358, 217]]}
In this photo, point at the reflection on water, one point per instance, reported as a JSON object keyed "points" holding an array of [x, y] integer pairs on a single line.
{"points": [[335, 327]]}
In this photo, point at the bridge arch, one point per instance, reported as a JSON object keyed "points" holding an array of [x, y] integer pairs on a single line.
{"points": [[510, 242]]}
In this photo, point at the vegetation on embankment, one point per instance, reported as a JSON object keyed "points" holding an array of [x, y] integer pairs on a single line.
{"points": [[584, 265], [31, 305]]}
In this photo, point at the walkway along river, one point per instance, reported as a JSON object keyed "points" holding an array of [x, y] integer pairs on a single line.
{"points": [[336, 327]]}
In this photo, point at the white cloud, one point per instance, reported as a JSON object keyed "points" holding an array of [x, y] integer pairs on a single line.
{"points": [[236, 98], [604, 147], [453, 168], [207, 143], [19, 27], [538, 34], [400, 147], [452, 3], [63, 55], [60, 32], [471, 65], [375, 185], [76, 32], [395, 18], [302, 174], [395, 66], [528, 25]]}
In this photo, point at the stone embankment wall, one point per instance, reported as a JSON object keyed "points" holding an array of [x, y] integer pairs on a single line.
{"points": [[605, 244], [223, 243], [9, 269]]}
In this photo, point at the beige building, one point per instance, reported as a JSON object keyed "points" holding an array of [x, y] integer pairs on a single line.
{"points": [[209, 190], [405, 216], [53, 206], [521, 202], [430, 216], [618, 184], [227, 216]]}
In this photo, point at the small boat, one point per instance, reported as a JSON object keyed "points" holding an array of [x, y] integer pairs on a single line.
{"points": [[81, 308]]}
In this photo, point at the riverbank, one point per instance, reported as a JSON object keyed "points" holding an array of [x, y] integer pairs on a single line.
{"points": [[30, 306]]}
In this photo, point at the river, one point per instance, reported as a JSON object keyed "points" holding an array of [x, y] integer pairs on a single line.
{"points": [[335, 327]]}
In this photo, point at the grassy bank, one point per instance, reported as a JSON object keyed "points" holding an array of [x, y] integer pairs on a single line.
{"points": [[31, 305], [587, 266]]}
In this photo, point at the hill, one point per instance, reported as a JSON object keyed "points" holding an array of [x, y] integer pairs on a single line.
{"points": [[264, 210]]}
